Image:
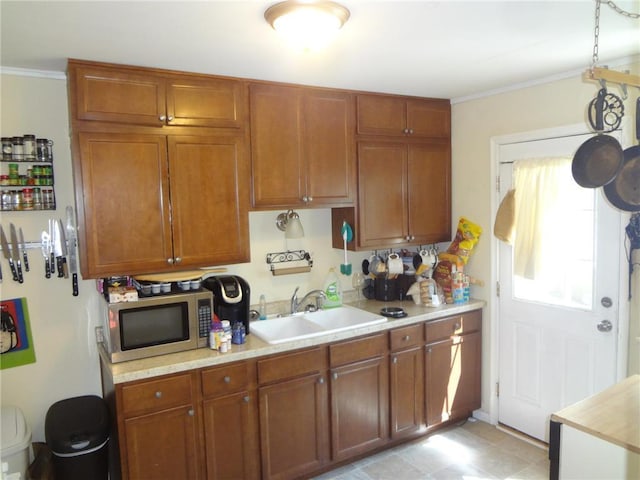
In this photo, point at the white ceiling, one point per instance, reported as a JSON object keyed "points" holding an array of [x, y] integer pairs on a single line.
{"points": [[449, 49]]}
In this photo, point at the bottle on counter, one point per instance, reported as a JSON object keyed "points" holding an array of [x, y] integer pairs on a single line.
{"points": [[333, 290], [263, 308]]}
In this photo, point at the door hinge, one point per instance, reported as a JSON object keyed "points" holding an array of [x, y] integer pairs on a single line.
{"points": [[497, 289], [498, 183], [497, 389]]}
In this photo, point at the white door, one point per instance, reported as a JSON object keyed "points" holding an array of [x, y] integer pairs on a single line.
{"points": [[555, 344]]}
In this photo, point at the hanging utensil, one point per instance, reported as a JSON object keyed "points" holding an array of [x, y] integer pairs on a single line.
{"points": [[23, 248], [45, 240], [347, 236], [72, 237], [52, 240], [6, 251], [624, 191], [15, 251], [598, 160]]}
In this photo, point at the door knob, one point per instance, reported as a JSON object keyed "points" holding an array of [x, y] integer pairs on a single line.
{"points": [[605, 326]]}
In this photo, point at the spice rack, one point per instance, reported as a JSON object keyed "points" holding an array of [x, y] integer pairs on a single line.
{"points": [[26, 174]]}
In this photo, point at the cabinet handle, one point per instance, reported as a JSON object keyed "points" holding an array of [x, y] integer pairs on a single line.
{"points": [[395, 360], [191, 412], [310, 198], [429, 350], [158, 394], [456, 327], [405, 130], [246, 399], [227, 379], [335, 376], [170, 261], [162, 118], [413, 237], [411, 131], [170, 118], [321, 380], [178, 259], [406, 338]]}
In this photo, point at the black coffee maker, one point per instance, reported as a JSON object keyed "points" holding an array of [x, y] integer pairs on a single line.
{"points": [[231, 298]]}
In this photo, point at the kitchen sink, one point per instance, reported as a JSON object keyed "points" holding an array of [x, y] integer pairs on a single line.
{"points": [[299, 326]]}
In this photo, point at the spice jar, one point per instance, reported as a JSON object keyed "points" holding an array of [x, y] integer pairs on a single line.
{"points": [[44, 150], [4, 180], [27, 198], [29, 146], [17, 151], [6, 200], [37, 199], [7, 148]]}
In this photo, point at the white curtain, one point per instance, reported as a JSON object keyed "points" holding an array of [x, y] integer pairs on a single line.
{"points": [[543, 191]]}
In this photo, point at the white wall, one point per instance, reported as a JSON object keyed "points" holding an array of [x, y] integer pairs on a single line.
{"points": [[474, 123], [63, 325]]}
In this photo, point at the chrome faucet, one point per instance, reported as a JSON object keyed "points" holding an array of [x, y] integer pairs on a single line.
{"points": [[295, 304]]}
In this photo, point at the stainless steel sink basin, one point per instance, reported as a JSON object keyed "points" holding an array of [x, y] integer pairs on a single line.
{"points": [[306, 325]]}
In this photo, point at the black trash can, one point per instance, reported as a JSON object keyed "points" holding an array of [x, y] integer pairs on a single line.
{"points": [[77, 432]]}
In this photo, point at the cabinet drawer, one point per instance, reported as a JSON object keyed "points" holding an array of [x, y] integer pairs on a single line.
{"points": [[157, 395], [227, 379], [292, 365], [359, 349], [456, 325], [406, 337]]}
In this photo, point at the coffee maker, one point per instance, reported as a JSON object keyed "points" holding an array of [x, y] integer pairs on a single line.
{"points": [[231, 298]]}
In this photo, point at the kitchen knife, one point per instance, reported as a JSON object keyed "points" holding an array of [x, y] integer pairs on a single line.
{"points": [[15, 251], [7, 253], [46, 242], [73, 240], [59, 248], [23, 247], [52, 240]]}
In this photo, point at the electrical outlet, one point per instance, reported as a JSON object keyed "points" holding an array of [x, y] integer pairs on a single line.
{"points": [[99, 335]]}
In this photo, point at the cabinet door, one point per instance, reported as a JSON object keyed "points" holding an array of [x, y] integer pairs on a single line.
{"points": [[407, 392], [328, 147], [114, 95], [452, 371], [231, 437], [122, 192], [381, 115], [209, 200], [359, 407], [276, 149], [294, 428], [429, 118], [382, 194], [429, 192], [163, 445], [204, 102]]}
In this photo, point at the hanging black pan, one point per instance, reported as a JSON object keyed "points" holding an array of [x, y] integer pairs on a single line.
{"points": [[624, 191], [599, 159]]}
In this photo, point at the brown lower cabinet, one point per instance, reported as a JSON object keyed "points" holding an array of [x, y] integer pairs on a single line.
{"points": [[295, 414]]}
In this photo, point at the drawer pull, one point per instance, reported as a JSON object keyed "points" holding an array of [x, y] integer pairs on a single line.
{"points": [[158, 394], [227, 379], [456, 326], [395, 360], [321, 380], [406, 338], [191, 412], [335, 376], [245, 399]]}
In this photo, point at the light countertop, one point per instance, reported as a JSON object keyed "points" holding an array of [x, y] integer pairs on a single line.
{"points": [[612, 415], [255, 347]]}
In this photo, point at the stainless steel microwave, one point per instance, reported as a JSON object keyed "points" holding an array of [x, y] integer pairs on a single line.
{"points": [[157, 325]]}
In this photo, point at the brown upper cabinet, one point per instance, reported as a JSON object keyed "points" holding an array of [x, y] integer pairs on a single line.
{"points": [[152, 203], [302, 146], [136, 96], [403, 116]]}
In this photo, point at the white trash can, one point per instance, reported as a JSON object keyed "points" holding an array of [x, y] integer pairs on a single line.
{"points": [[16, 453]]}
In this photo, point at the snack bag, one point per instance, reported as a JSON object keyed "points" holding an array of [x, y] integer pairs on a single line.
{"points": [[467, 235]]}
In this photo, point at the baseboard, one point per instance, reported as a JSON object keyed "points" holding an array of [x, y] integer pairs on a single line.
{"points": [[523, 436]]}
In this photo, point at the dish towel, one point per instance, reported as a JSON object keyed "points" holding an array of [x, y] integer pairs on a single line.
{"points": [[504, 226]]}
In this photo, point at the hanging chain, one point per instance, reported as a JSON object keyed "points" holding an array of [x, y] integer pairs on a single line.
{"points": [[620, 11], [596, 34]]}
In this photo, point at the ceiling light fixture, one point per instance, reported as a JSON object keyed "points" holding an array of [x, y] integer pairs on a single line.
{"points": [[310, 24]]}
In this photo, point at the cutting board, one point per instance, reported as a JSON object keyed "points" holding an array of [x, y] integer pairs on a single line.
{"points": [[178, 276]]}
